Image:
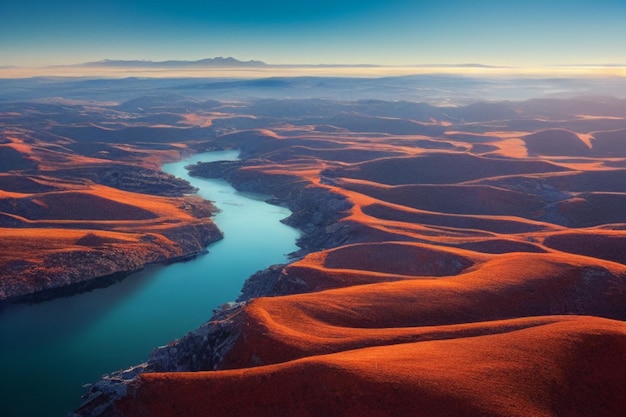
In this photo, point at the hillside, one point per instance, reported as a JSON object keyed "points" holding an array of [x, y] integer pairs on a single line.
{"points": [[447, 268], [462, 260]]}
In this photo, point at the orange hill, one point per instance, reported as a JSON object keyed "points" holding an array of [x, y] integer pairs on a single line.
{"points": [[540, 367]]}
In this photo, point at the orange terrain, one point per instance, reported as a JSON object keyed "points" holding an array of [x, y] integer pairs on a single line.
{"points": [[68, 219], [486, 277], [453, 264]]}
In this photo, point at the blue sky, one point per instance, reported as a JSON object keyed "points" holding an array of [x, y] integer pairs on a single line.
{"points": [[388, 32]]}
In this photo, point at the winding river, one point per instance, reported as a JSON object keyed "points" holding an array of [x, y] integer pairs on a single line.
{"points": [[49, 350]]}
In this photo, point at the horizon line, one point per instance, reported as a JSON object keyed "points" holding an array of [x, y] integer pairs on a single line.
{"points": [[258, 69], [220, 60]]}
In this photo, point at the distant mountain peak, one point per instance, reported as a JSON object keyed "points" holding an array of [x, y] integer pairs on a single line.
{"points": [[207, 62]]}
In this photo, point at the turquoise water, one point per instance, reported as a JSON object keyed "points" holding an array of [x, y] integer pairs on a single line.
{"points": [[48, 350]]}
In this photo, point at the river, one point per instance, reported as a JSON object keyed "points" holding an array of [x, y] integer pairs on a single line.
{"points": [[49, 350]]}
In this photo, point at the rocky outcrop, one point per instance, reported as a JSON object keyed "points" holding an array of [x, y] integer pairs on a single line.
{"points": [[134, 179], [217, 169], [262, 283], [201, 349], [193, 238]]}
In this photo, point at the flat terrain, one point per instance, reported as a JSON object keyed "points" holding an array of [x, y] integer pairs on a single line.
{"points": [[464, 260]]}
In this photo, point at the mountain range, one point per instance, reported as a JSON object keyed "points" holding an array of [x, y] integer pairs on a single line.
{"points": [[207, 62]]}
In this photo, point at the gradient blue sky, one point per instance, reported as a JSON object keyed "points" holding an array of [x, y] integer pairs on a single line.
{"points": [[388, 32]]}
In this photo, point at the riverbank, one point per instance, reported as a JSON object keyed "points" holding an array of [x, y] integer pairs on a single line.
{"points": [[314, 211], [83, 336], [399, 252]]}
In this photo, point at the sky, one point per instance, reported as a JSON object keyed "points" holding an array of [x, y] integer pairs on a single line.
{"points": [[385, 32]]}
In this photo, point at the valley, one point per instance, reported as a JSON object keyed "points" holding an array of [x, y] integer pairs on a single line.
{"points": [[459, 259]]}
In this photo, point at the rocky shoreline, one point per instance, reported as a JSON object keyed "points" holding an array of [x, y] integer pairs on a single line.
{"points": [[314, 208], [315, 211], [101, 265], [98, 282]]}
